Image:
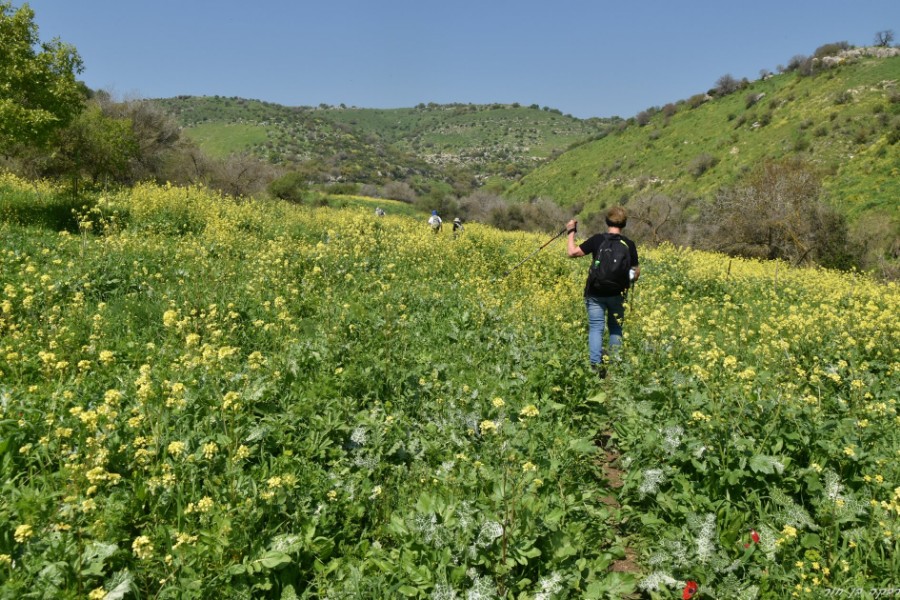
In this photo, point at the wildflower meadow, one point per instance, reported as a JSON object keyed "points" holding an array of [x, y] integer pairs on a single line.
{"points": [[209, 398]]}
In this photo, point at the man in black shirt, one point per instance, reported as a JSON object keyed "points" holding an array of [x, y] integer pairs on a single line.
{"points": [[605, 300]]}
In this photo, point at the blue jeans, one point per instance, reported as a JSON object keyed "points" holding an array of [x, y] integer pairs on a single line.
{"points": [[599, 310]]}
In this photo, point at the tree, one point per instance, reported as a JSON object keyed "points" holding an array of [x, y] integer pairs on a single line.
{"points": [[155, 132], [884, 38], [95, 146], [726, 84], [777, 212], [657, 218], [38, 89]]}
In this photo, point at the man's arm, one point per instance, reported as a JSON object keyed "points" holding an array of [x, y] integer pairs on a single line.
{"points": [[571, 246]]}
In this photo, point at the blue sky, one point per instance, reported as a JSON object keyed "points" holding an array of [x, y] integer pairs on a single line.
{"points": [[585, 58]]}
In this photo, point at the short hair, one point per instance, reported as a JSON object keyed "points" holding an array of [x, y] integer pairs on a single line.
{"points": [[616, 217]]}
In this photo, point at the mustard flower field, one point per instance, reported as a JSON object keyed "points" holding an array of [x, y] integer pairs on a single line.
{"points": [[203, 398]]}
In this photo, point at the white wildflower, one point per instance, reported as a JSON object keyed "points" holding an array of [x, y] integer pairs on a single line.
{"points": [[672, 438], [464, 515], [482, 589], [489, 532], [549, 586], [369, 462], [443, 592], [706, 546], [287, 542], [653, 581], [359, 436], [792, 513], [652, 479], [833, 486]]}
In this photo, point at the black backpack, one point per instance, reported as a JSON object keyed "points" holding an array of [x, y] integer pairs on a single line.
{"points": [[608, 275]]}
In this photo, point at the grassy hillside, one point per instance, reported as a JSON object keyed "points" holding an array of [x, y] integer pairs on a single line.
{"points": [[207, 398], [486, 140], [845, 120]]}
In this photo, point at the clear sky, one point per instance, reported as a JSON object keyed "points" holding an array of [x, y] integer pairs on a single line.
{"points": [[586, 58]]}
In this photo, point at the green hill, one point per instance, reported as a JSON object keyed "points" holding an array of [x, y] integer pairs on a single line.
{"points": [[844, 119], [372, 145]]}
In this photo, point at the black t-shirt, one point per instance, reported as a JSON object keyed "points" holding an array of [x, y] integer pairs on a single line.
{"points": [[590, 245]]}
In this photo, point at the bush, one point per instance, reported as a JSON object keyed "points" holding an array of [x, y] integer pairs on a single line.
{"points": [[844, 97], [726, 84], [345, 189], [697, 100], [399, 190], [753, 99], [832, 49], [539, 214], [657, 218], [292, 187], [777, 213], [702, 164]]}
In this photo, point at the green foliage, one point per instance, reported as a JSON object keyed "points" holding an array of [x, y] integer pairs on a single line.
{"points": [[245, 399], [375, 146], [93, 146], [292, 187], [852, 142], [40, 92]]}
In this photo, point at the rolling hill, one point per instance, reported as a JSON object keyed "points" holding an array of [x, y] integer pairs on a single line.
{"points": [[364, 145], [844, 118]]}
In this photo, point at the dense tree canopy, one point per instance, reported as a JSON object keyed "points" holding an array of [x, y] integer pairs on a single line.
{"points": [[38, 89]]}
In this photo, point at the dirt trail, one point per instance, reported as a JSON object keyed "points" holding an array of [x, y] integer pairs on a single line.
{"points": [[608, 461]]}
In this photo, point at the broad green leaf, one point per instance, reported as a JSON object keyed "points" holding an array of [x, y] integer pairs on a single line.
{"points": [[273, 560], [583, 446]]}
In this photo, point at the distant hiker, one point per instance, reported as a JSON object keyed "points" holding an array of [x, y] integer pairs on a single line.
{"points": [[457, 226], [379, 212], [613, 269], [435, 221]]}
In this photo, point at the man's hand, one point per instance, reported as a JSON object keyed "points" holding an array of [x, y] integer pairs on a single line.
{"points": [[572, 226]]}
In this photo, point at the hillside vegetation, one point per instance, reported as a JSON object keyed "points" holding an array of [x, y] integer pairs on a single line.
{"points": [[365, 145], [202, 397], [843, 120]]}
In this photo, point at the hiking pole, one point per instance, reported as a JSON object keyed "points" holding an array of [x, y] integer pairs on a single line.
{"points": [[547, 243]]}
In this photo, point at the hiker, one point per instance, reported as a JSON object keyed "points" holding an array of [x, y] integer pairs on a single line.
{"points": [[457, 226], [379, 212], [613, 270], [435, 221]]}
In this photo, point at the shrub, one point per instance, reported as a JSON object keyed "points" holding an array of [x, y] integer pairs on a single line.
{"points": [[346, 188], [844, 97], [753, 99], [832, 49], [292, 187], [399, 190], [702, 164], [657, 218], [777, 212], [795, 62], [697, 100], [726, 84]]}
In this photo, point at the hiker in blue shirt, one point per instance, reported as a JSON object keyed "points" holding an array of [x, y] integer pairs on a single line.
{"points": [[435, 222], [613, 270]]}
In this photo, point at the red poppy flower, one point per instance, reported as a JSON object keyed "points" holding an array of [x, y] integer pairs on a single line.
{"points": [[754, 536], [690, 588]]}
